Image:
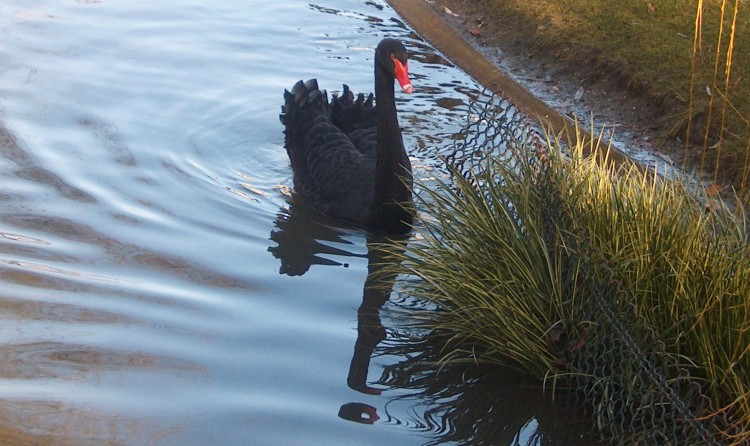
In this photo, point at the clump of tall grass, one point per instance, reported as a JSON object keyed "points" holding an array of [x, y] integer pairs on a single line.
{"points": [[503, 254]]}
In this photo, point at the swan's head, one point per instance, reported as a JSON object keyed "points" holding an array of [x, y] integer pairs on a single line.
{"points": [[391, 54]]}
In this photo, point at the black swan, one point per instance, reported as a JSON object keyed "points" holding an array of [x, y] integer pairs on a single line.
{"points": [[347, 156]]}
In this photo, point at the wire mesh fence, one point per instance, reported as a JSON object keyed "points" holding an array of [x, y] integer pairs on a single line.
{"points": [[635, 391]]}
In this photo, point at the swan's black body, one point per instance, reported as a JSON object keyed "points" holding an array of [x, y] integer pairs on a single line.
{"points": [[347, 154]]}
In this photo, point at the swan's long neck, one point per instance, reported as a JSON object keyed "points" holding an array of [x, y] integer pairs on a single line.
{"points": [[389, 184]]}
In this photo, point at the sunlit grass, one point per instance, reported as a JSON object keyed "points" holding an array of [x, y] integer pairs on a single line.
{"points": [[725, 148], [504, 263], [691, 58]]}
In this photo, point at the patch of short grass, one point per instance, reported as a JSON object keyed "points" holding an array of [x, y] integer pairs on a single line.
{"points": [[673, 52]]}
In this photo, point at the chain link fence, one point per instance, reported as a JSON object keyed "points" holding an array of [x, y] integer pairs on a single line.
{"points": [[634, 390]]}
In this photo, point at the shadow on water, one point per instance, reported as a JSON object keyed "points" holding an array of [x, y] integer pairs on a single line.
{"points": [[304, 239], [477, 404], [465, 403]]}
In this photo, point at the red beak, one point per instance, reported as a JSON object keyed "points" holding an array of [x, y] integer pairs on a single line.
{"points": [[401, 71]]}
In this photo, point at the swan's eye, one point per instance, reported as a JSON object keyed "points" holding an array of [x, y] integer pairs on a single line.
{"points": [[401, 72]]}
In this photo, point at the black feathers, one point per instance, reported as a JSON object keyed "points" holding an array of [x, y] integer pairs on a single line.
{"points": [[332, 156], [347, 154]]}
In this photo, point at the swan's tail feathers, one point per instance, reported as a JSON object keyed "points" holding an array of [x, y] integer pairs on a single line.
{"points": [[369, 102], [304, 102], [304, 107], [311, 85], [349, 114]]}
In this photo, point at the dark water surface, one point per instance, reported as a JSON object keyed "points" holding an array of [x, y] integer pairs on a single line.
{"points": [[158, 287]]}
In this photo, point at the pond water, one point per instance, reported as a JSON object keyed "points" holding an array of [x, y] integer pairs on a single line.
{"points": [[159, 286]]}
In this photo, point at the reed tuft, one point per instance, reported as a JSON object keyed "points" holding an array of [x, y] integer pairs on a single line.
{"points": [[502, 257]]}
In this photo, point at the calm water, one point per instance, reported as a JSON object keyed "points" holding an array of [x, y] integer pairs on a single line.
{"points": [[158, 285]]}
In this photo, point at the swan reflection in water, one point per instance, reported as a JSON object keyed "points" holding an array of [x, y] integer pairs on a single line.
{"points": [[468, 404], [478, 404], [301, 235], [303, 239]]}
